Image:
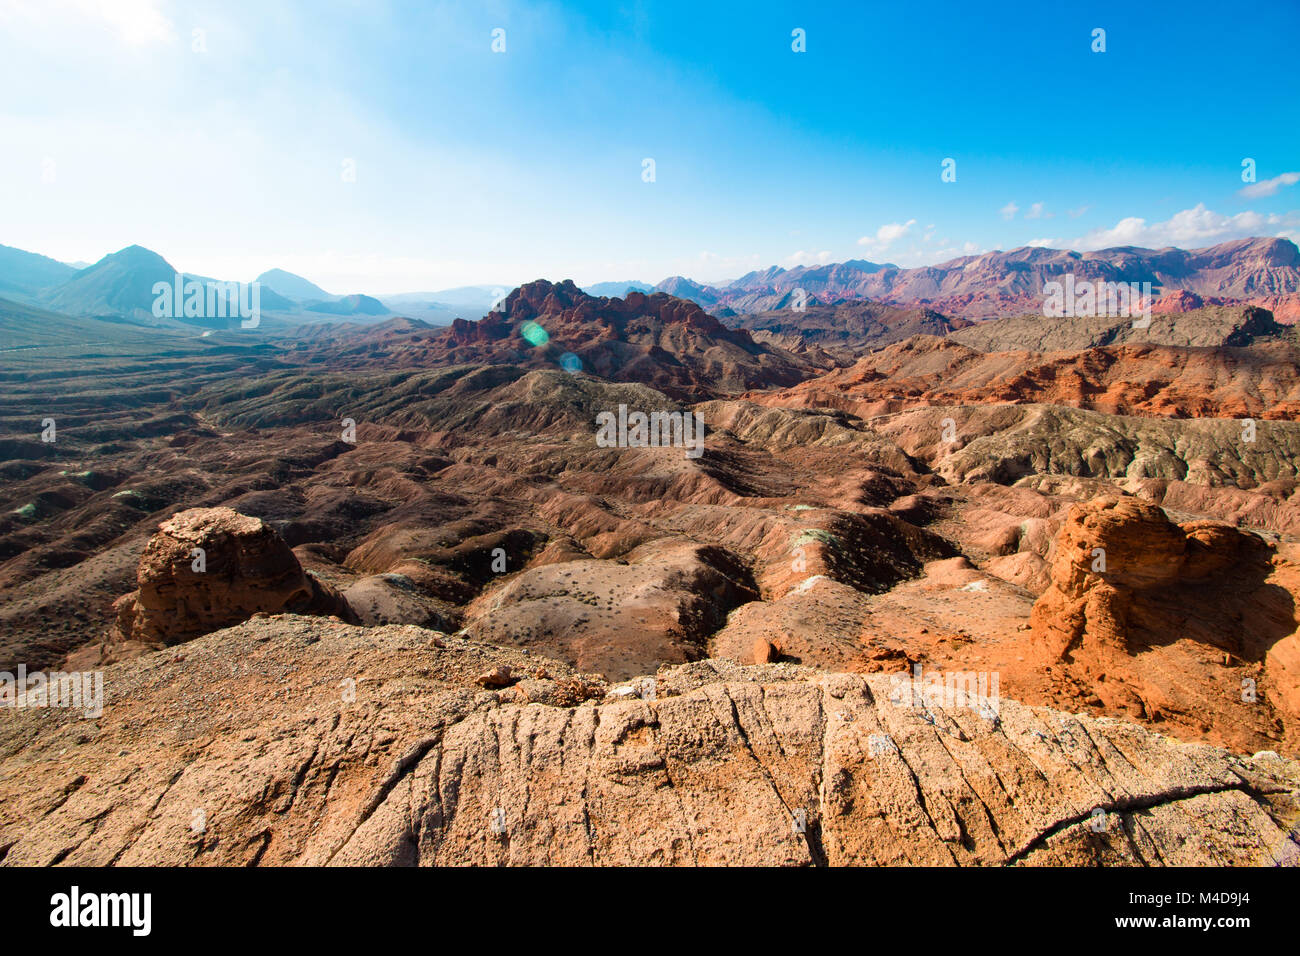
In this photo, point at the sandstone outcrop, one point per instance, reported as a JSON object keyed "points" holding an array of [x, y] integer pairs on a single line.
{"points": [[308, 741], [1193, 623], [209, 568]]}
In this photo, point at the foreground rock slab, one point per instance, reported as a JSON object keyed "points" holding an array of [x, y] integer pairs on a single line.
{"points": [[303, 740]]}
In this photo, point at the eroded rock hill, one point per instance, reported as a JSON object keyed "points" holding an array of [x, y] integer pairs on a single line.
{"points": [[659, 340], [304, 740], [852, 326]]}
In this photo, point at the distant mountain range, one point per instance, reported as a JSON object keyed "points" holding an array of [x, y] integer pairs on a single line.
{"points": [[618, 290], [122, 284], [446, 305], [355, 304], [473, 296], [1007, 283], [1258, 271]]}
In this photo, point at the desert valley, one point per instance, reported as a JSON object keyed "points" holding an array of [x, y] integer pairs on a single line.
{"points": [[946, 581]]}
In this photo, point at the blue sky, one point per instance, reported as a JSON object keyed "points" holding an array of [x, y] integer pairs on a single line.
{"points": [[225, 150]]}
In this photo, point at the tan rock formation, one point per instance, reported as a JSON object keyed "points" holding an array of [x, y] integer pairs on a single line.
{"points": [[209, 568]]}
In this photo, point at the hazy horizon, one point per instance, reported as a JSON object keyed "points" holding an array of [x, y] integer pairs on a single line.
{"points": [[496, 287]]}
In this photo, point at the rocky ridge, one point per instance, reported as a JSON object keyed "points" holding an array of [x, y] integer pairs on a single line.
{"points": [[1258, 381]]}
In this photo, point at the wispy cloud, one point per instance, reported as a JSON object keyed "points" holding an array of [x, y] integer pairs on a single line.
{"points": [[1036, 210], [1268, 187], [802, 258], [928, 253], [134, 22]]}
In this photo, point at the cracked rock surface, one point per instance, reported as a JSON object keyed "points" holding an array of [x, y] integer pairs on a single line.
{"points": [[304, 740]]}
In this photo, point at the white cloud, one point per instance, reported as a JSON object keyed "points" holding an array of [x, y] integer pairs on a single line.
{"points": [[886, 236], [1076, 213], [1189, 229], [894, 230], [1268, 187], [1035, 211], [1009, 210]]}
